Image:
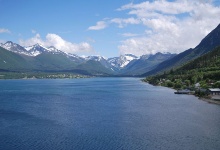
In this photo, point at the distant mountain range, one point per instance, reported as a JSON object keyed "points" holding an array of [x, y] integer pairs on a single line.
{"points": [[14, 57], [37, 58]]}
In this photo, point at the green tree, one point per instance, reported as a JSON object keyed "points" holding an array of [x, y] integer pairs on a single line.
{"points": [[217, 84], [193, 79], [187, 82], [169, 84], [177, 85]]}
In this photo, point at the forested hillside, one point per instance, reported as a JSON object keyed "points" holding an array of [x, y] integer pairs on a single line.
{"points": [[204, 70]]}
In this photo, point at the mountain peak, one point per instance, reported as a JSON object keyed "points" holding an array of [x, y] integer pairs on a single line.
{"points": [[38, 45], [9, 42], [13, 47], [122, 61], [209, 42], [96, 58]]}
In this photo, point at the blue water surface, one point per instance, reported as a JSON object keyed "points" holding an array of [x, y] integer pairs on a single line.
{"points": [[103, 114]]}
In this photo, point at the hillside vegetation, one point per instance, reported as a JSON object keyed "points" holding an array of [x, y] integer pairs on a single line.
{"points": [[204, 70]]}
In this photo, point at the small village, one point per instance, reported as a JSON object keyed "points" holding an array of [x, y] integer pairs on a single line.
{"points": [[209, 89]]}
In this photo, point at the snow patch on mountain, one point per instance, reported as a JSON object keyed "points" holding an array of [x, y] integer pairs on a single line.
{"points": [[122, 61], [13, 47], [95, 58]]}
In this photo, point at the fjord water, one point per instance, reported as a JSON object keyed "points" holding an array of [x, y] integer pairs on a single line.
{"points": [[103, 113]]}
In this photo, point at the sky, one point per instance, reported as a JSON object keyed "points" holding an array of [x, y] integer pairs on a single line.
{"points": [[109, 27]]}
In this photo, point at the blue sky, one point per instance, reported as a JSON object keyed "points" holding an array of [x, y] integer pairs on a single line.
{"points": [[109, 28]]}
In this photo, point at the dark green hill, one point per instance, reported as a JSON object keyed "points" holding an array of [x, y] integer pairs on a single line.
{"points": [[205, 69], [94, 68], [53, 62], [10, 61]]}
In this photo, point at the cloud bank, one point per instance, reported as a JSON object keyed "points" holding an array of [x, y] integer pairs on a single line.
{"points": [[56, 41], [168, 26]]}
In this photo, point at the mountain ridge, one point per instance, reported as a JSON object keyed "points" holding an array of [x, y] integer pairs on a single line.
{"points": [[42, 58]]}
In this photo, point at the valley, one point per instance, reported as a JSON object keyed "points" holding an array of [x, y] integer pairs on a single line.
{"points": [[37, 59]]}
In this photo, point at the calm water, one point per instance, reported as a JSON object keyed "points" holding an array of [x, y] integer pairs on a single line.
{"points": [[102, 114]]}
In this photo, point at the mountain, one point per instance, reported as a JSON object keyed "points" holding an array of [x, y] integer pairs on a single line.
{"points": [[16, 48], [96, 68], [36, 49], [39, 58], [121, 61], [211, 41], [100, 59], [145, 63], [10, 61], [204, 69], [44, 59]]}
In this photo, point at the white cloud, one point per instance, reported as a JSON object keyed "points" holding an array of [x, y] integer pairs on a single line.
{"points": [[160, 6], [170, 26], [33, 31], [99, 26], [123, 22], [34, 40], [56, 41], [120, 21], [2, 30], [129, 35]]}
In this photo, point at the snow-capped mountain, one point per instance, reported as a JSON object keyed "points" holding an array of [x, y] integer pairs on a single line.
{"points": [[122, 61], [37, 49], [102, 60], [54, 50], [145, 63], [74, 57], [114, 64], [95, 58], [16, 48], [127, 64], [29, 51]]}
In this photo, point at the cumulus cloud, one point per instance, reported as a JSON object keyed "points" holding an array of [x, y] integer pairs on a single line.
{"points": [[56, 41], [99, 26], [171, 26], [2, 30]]}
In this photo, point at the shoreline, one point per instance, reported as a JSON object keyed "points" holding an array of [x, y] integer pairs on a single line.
{"points": [[208, 100]]}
